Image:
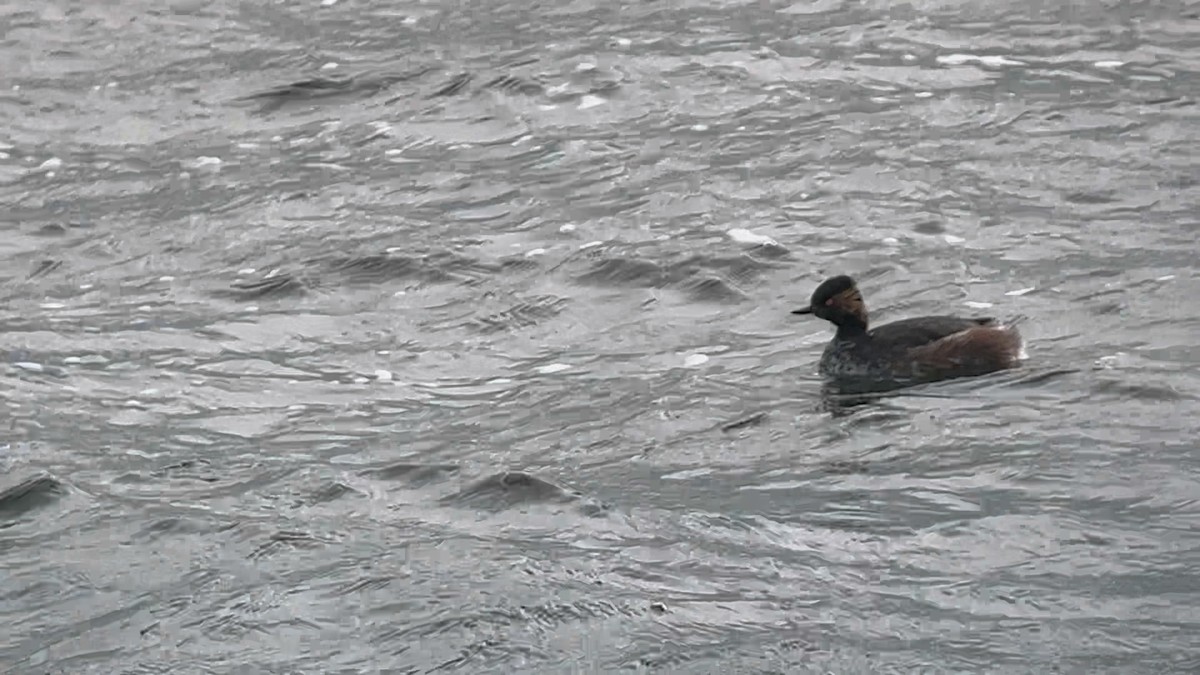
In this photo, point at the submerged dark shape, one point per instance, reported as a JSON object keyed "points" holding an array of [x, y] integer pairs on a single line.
{"points": [[910, 351]]}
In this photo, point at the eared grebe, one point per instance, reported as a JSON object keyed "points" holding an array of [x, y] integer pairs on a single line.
{"points": [[921, 349]]}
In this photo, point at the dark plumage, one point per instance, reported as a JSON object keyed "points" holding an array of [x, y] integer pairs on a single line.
{"points": [[920, 349]]}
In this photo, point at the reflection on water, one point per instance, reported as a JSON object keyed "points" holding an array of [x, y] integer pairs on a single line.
{"points": [[355, 337]]}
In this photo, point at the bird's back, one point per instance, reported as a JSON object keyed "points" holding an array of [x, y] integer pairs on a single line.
{"points": [[919, 331]]}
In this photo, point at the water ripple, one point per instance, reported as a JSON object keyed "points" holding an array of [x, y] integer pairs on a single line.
{"points": [[349, 336]]}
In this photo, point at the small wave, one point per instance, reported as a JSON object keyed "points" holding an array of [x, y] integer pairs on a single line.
{"points": [[318, 88], [331, 492], [311, 88], [739, 268], [510, 84], [623, 272], [545, 617], [276, 285], [585, 82], [703, 278], [1028, 377], [287, 540], [44, 267], [171, 527], [28, 495], [197, 469], [1123, 391], [363, 585], [440, 267], [456, 84], [711, 289], [377, 268], [413, 474], [525, 263], [508, 489], [521, 315], [751, 420]]}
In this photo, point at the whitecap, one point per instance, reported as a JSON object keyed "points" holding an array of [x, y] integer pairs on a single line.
{"points": [[955, 59], [996, 60], [743, 236], [590, 101], [993, 60]]}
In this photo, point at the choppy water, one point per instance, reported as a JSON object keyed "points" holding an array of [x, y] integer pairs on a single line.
{"points": [[420, 337]]}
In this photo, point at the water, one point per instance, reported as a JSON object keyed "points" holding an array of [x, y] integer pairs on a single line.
{"points": [[365, 337]]}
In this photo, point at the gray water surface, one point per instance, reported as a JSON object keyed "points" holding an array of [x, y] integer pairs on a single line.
{"points": [[374, 337]]}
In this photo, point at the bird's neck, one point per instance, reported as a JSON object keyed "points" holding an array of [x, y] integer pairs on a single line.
{"points": [[851, 328]]}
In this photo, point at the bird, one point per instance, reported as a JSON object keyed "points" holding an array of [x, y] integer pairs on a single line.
{"points": [[917, 350]]}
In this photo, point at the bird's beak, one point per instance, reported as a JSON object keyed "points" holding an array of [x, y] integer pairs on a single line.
{"points": [[806, 310]]}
